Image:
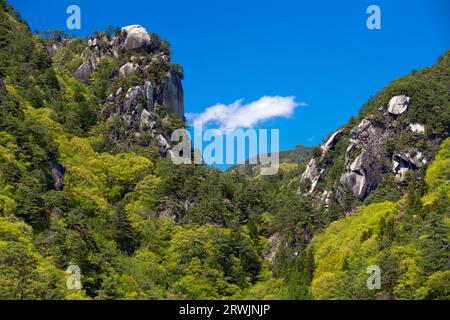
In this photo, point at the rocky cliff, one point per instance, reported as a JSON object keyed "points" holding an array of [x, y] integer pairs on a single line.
{"points": [[395, 135], [81, 185], [131, 76], [136, 54]]}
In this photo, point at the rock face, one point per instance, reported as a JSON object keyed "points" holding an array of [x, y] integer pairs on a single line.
{"points": [[172, 95], [135, 108], [148, 79], [162, 142], [133, 105], [354, 177], [403, 162], [135, 37], [416, 127], [58, 171], [275, 242], [146, 118], [83, 73], [92, 56], [378, 146], [149, 90], [364, 158], [311, 175], [166, 91], [398, 104], [128, 69]]}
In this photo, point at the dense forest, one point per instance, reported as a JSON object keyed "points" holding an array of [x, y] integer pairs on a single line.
{"points": [[86, 180]]}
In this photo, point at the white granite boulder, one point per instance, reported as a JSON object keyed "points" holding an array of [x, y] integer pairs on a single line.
{"points": [[417, 127], [398, 104], [135, 36]]}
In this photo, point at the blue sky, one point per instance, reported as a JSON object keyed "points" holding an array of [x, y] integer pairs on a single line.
{"points": [[318, 51]]}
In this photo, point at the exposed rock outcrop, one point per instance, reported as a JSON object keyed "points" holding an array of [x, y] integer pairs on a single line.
{"points": [[275, 242], [132, 106], [168, 89], [129, 69], [149, 90], [311, 176], [374, 150], [398, 104], [403, 162], [146, 119], [364, 158], [135, 106], [153, 79], [132, 99], [172, 95], [331, 142], [52, 46], [327, 198], [84, 71], [354, 177], [58, 171]]}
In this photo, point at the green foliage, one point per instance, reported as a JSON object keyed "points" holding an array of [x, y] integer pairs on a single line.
{"points": [[174, 123], [270, 289], [24, 273], [140, 227], [102, 77], [333, 250], [407, 239], [438, 174], [428, 89]]}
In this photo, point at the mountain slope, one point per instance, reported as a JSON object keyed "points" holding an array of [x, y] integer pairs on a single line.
{"points": [[289, 159], [408, 240], [373, 171], [397, 131], [86, 182], [83, 173]]}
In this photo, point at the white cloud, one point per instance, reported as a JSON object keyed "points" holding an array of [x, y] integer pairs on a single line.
{"points": [[239, 115]]}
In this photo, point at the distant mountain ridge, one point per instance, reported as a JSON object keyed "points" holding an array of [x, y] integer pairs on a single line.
{"points": [[299, 155]]}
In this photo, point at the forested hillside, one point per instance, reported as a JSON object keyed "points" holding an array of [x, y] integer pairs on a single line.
{"points": [[289, 159], [407, 239], [86, 180]]}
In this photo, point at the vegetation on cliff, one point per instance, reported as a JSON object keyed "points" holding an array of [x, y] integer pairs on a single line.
{"points": [[79, 185]]}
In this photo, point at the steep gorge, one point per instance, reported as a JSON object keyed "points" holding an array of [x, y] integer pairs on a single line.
{"points": [[85, 180]]}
